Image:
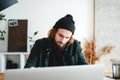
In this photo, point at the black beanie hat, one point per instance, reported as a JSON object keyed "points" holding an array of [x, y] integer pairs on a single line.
{"points": [[65, 23]]}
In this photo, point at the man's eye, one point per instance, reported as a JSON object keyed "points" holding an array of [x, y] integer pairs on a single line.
{"points": [[60, 35]]}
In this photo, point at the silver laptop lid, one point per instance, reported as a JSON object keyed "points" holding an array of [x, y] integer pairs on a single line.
{"points": [[81, 72]]}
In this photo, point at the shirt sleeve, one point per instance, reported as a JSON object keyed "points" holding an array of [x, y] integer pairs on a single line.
{"points": [[33, 56], [81, 56]]}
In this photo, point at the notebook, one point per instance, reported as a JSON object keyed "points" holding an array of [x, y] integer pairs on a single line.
{"points": [[80, 72]]}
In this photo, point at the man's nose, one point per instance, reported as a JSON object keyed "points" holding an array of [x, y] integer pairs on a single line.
{"points": [[63, 40]]}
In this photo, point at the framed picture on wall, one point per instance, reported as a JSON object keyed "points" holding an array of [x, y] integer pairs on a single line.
{"points": [[17, 35]]}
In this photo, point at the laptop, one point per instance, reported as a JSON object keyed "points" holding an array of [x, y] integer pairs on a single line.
{"points": [[80, 72]]}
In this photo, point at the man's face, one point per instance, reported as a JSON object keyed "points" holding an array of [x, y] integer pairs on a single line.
{"points": [[62, 37]]}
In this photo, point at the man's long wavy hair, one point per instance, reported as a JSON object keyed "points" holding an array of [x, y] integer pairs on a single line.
{"points": [[52, 32]]}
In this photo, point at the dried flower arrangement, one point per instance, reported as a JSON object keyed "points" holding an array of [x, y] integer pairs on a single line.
{"points": [[107, 50], [89, 51]]}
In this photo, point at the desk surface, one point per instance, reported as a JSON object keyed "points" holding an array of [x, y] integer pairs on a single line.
{"points": [[105, 78], [109, 76], [1, 76]]}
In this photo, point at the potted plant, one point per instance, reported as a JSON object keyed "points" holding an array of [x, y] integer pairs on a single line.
{"points": [[2, 37], [2, 16], [2, 32], [31, 39]]}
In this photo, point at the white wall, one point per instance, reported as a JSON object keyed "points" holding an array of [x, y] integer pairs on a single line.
{"points": [[108, 29], [42, 15]]}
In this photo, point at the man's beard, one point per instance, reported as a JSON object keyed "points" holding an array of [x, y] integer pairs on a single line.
{"points": [[60, 44]]}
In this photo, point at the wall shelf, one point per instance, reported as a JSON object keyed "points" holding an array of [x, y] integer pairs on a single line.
{"points": [[17, 57]]}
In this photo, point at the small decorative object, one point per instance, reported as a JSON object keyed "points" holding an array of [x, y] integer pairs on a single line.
{"points": [[13, 22], [11, 65]]}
